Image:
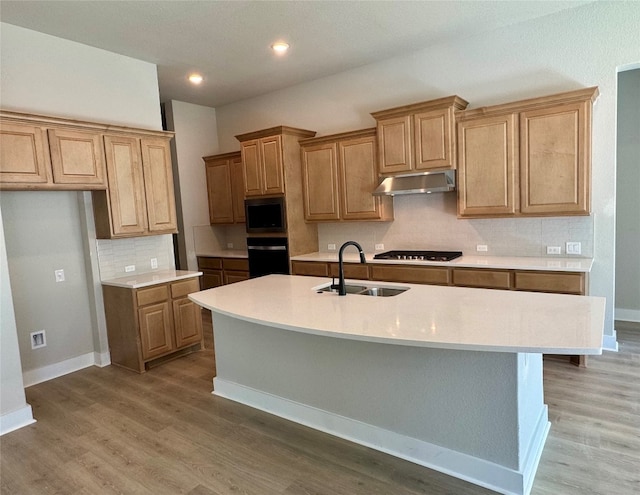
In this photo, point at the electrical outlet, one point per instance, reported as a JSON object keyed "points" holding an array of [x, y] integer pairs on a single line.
{"points": [[554, 249], [38, 339], [331, 247], [574, 248], [482, 248], [130, 268], [154, 263], [379, 247], [229, 245], [59, 275]]}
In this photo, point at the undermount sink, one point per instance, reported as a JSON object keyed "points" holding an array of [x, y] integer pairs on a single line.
{"points": [[365, 290]]}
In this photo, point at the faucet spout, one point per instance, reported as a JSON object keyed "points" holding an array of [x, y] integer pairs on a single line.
{"points": [[342, 288]]}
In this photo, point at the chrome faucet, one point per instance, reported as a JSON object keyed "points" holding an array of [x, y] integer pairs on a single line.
{"points": [[342, 288]]}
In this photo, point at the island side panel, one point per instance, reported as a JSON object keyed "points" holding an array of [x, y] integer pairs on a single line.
{"points": [[462, 400]]}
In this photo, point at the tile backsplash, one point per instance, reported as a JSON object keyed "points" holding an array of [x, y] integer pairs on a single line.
{"points": [[115, 254], [428, 221]]}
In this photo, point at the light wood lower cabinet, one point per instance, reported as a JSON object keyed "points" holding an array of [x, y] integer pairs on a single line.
{"points": [[154, 322], [488, 279], [218, 271], [411, 274], [356, 271]]}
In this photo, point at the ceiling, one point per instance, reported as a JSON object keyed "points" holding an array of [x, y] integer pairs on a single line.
{"points": [[228, 42]]}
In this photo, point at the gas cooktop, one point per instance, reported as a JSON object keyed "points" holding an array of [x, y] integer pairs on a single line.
{"points": [[419, 255]]}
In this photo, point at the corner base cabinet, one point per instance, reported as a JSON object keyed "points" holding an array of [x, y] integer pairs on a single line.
{"points": [[151, 324]]}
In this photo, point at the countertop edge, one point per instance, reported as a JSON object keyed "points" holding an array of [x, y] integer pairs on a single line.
{"points": [[151, 278]]}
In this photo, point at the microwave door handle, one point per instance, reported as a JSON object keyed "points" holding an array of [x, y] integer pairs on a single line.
{"points": [[268, 248]]}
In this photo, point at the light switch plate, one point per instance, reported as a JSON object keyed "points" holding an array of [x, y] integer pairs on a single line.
{"points": [[331, 247], [130, 268], [59, 275], [379, 247], [482, 248], [154, 263]]}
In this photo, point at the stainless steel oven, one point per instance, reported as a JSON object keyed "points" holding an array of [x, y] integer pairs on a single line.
{"points": [[268, 255]]}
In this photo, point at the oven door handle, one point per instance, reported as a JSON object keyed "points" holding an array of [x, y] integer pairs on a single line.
{"points": [[267, 248]]}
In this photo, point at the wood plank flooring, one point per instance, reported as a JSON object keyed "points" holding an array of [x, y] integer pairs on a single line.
{"points": [[112, 431]]}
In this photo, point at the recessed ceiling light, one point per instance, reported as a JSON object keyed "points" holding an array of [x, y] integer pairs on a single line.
{"points": [[280, 47], [195, 78]]}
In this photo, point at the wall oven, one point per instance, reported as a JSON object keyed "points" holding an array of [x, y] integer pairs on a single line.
{"points": [[268, 255], [265, 215]]}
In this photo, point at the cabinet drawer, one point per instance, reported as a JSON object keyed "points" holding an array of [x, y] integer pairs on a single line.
{"points": [[490, 279], [310, 268], [155, 294], [410, 274], [183, 287], [211, 263], [560, 282], [232, 277], [237, 264], [351, 270]]}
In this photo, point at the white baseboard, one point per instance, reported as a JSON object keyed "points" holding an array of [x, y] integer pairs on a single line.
{"points": [[16, 419], [39, 375], [475, 470], [101, 359], [610, 342], [627, 315]]}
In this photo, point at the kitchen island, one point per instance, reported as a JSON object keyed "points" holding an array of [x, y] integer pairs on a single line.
{"points": [[446, 377]]}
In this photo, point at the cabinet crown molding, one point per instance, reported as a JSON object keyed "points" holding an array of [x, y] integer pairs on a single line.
{"points": [[448, 101], [222, 156], [339, 137], [584, 94], [273, 131], [50, 122]]}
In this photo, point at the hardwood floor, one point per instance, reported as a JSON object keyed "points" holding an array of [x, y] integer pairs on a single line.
{"points": [[112, 431]]}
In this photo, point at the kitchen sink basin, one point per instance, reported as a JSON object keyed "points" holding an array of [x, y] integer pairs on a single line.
{"points": [[365, 290]]}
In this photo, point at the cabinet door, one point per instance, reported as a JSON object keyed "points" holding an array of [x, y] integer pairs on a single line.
{"points": [[187, 319], [251, 168], [487, 171], [320, 182], [126, 189], [433, 139], [555, 159], [155, 330], [24, 157], [272, 167], [158, 185], [237, 189], [220, 192], [77, 157], [394, 145], [211, 279], [232, 277], [358, 178]]}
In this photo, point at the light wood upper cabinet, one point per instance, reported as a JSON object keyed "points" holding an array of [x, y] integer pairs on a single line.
{"points": [[527, 158], [24, 155], [158, 185], [419, 137], [77, 157], [140, 198], [225, 188], [339, 176], [555, 156], [39, 153], [263, 160], [488, 166]]}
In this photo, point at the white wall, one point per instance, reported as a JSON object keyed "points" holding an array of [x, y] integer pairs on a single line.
{"points": [[576, 48], [628, 198], [196, 136], [47, 75]]}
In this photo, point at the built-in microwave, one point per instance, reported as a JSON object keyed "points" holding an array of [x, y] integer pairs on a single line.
{"points": [[265, 215]]}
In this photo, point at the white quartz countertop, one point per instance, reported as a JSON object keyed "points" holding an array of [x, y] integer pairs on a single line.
{"points": [[223, 253], [496, 262], [425, 315], [151, 278]]}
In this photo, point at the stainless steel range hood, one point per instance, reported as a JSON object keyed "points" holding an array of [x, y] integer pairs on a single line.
{"points": [[441, 181]]}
